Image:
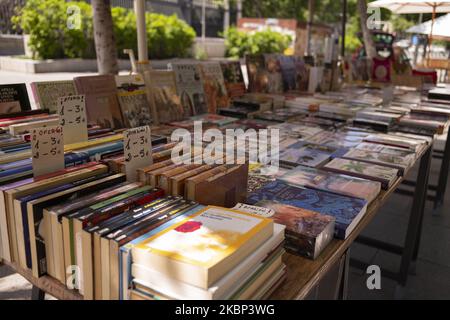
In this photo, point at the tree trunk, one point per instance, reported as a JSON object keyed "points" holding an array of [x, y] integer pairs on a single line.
{"points": [[367, 35], [309, 26], [105, 42]]}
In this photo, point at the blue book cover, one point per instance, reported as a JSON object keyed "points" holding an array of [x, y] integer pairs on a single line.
{"points": [[15, 164], [346, 210], [70, 159]]}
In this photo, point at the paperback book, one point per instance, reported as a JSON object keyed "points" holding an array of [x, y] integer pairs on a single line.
{"points": [[214, 86], [163, 97], [233, 77], [102, 106], [14, 98], [347, 210], [133, 102], [332, 182], [46, 93], [204, 247], [307, 232], [386, 175], [190, 89]]}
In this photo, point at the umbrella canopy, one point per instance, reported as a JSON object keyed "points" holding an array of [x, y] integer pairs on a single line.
{"points": [[441, 28], [412, 6]]}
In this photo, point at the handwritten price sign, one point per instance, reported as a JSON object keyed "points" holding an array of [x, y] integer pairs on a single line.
{"points": [[137, 150], [47, 150], [72, 114]]}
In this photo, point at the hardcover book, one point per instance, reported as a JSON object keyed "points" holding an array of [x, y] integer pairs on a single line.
{"points": [[188, 79], [14, 98], [46, 93], [214, 86], [347, 210], [133, 101], [307, 232], [332, 182], [102, 106], [386, 175], [204, 247], [163, 97], [233, 77]]}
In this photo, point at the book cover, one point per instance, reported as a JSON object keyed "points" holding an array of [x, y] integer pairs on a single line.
{"points": [[307, 232], [214, 86], [14, 98], [189, 84], [396, 141], [213, 119], [204, 246], [257, 74], [102, 106], [385, 175], [233, 77], [346, 210], [163, 97], [401, 163], [46, 93], [306, 154], [274, 77], [133, 101], [332, 182]]}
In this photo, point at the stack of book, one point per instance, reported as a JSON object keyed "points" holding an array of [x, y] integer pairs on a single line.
{"points": [[215, 253]]}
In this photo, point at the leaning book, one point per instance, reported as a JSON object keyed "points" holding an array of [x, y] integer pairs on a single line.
{"points": [[204, 247]]}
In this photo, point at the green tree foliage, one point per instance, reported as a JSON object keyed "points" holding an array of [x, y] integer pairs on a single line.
{"points": [[239, 43], [45, 21]]}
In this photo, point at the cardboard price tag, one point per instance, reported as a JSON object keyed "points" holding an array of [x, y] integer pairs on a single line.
{"points": [[72, 113], [47, 150], [137, 150]]}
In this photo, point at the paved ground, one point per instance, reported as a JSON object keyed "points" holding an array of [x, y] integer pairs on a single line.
{"points": [[432, 279]]}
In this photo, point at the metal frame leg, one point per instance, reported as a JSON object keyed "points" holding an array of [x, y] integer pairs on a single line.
{"points": [[37, 294], [343, 287], [412, 241], [443, 176]]}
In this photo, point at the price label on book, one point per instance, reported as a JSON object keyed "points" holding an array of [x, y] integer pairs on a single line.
{"points": [[72, 115], [47, 150], [137, 150]]}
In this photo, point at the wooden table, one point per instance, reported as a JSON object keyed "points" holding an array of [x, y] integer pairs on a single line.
{"points": [[45, 284], [304, 274]]}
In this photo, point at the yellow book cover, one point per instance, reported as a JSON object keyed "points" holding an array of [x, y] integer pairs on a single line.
{"points": [[205, 246]]}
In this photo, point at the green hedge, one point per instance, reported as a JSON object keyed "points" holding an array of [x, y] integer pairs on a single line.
{"points": [[50, 38], [239, 43]]}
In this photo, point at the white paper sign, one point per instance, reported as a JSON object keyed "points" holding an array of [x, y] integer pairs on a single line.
{"points": [[259, 211], [72, 114], [137, 150], [47, 150]]}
